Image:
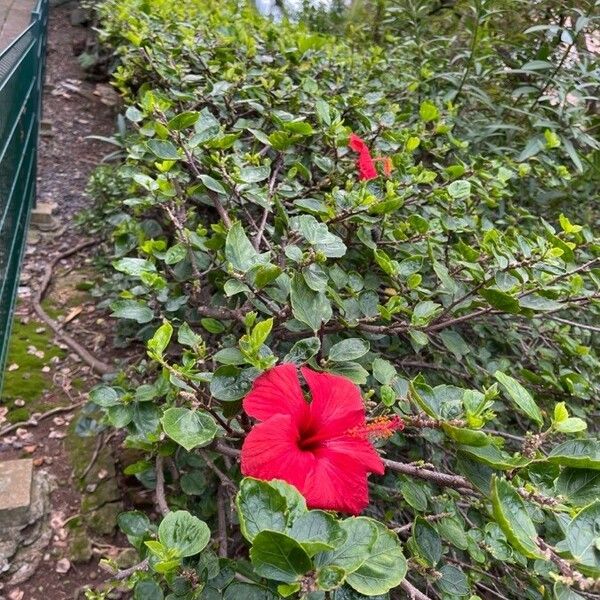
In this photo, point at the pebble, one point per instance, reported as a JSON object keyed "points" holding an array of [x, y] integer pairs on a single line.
{"points": [[19, 402], [63, 565]]}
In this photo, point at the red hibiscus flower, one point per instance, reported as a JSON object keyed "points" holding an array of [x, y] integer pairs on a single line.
{"points": [[321, 447], [366, 164]]}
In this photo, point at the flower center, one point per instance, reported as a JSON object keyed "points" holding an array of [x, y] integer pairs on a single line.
{"points": [[309, 440]]}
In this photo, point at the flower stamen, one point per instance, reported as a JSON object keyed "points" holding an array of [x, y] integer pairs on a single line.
{"points": [[380, 428]]}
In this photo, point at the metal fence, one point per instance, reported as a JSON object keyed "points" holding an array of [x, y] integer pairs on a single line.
{"points": [[21, 86]]}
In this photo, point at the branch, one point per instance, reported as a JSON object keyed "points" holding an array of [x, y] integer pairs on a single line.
{"points": [[34, 422], [161, 502], [226, 450], [412, 592], [222, 523], [95, 363], [126, 573], [442, 479]]}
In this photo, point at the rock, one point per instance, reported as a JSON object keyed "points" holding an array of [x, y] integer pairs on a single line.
{"points": [[15, 491], [63, 565], [22, 542], [80, 16], [80, 546]]}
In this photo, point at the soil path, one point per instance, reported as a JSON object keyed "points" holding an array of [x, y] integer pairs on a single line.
{"points": [[73, 110]]}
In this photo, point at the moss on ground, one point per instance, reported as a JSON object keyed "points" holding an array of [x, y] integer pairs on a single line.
{"points": [[28, 382]]}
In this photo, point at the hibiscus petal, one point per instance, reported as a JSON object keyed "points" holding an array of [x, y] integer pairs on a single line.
{"points": [[336, 405], [335, 483], [366, 166], [275, 392], [361, 452], [356, 143], [270, 451]]}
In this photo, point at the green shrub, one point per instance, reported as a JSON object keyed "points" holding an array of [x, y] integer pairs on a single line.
{"points": [[245, 238]]}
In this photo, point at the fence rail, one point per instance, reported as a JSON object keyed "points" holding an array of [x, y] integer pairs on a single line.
{"points": [[21, 85]]}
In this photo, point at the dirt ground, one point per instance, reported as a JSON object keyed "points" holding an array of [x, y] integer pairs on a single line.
{"points": [[73, 109]]}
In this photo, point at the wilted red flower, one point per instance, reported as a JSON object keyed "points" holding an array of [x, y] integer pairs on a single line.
{"points": [[321, 447], [366, 164]]}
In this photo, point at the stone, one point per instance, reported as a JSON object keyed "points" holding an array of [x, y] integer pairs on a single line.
{"points": [[80, 546], [63, 565], [15, 491], [42, 213]]}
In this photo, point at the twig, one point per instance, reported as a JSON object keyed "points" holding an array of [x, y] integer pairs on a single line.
{"points": [[33, 422], [161, 502], [222, 448], [443, 479], [95, 363], [222, 522], [225, 480], [97, 447], [575, 324], [126, 573], [572, 576], [267, 210], [412, 592], [429, 518]]}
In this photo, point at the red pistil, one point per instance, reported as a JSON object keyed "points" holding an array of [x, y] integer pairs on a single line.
{"points": [[380, 428]]}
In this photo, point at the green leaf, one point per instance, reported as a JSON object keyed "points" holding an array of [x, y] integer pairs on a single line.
{"points": [[514, 520], [187, 337], [230, 384], [501, 300], [158, 343], [164, 150], [254, 174], [384, 568], [580, 486], [453, 581], [134, 266], [459, 189], [349, 349], [384, 371], [309, 307], [520, 396], [132, 310], [582, 454], [175, 254], [318, 234], [562, 592], [582, 537], [183, 120], [428, 111], [571, 425], [147, 590], [105, 396], [238, 249], [361, 534], [330, 577], [266, 274], [212, 184], [212, 325], [428, 541], [494, 457], [352, 370], [302, 351], [189, 428], [277, 556], [260, 506], [183, 532], [317, 531]]}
